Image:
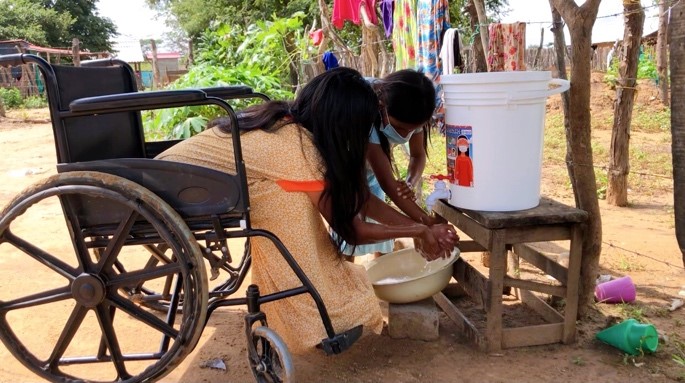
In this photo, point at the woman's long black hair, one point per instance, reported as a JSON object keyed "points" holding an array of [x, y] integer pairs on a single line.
{"points": [[338, 107]]}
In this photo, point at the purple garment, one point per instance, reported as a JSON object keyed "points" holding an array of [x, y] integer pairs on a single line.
{"points": [[387, 7]]}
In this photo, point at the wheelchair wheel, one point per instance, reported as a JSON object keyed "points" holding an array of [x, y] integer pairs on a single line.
{"points": [[269, 358], [90, 330]]}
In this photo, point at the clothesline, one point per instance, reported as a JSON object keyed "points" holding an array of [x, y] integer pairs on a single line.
{"points": [[603, 16]]}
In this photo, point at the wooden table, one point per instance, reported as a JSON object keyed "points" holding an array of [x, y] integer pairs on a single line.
{"points": [[498, 233]]}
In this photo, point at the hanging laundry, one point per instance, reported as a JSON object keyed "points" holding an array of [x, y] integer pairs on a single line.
{"points": [[387, 9], [507, 48], [329, 60], [349, 10], [316, 37], [432, 21], [450, 53], [404, 34]]}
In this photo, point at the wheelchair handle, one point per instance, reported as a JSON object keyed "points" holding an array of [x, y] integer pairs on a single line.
{"points": [[12, 60]]}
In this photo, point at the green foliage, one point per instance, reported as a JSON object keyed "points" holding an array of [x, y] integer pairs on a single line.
{"points": [[230, 55], [11, 97], [34, 102], [190, 120], [93, 31], [55, 23], [646, 69], [195, 16], [24, 19]]}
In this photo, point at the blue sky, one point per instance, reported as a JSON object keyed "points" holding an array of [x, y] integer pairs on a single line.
{"points": [[134, 18]]}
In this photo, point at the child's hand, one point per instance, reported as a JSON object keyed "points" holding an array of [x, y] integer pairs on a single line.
{"points": [[405, 190]]}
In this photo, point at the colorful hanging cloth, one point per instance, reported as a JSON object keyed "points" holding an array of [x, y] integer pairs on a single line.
{"points": [[349, 10], [404, 34], [507, 49], [432, 21]]}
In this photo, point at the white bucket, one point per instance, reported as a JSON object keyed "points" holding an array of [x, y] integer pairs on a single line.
{"points": [[498, 117]]}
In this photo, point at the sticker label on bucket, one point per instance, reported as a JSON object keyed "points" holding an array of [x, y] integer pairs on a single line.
{"points": [[460, 154]]}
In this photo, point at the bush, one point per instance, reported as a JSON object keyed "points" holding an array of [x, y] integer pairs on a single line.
{"points": [[11, 97], [34, 102]]}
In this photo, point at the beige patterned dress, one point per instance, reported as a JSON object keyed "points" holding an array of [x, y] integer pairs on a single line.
{"points": [[281, 166]]}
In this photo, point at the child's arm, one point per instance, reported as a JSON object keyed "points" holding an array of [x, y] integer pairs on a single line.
{"points": [[380, 164], [417, 159]]}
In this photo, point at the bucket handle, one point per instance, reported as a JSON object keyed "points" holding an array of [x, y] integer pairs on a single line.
{"points": [[564, 85]]}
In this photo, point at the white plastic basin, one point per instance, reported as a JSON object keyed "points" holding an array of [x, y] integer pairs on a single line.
{"points": [[405, 276]]}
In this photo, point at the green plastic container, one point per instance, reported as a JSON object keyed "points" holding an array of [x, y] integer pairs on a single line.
{"points": [[631, 337]]}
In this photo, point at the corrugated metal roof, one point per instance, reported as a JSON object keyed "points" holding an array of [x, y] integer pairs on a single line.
{"points": [[128, 50]]}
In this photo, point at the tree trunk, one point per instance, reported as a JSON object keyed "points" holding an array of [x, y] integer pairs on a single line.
{"points": [[662, 52], [2, 109], [677, 61], [580, 21], [155, 67], [191, 55], [539, 51], [477, 47], [482, 22], [560, 50], [619, 159]]}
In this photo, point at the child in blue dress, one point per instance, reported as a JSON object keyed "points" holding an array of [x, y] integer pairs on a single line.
{"points": [[407, 103]]}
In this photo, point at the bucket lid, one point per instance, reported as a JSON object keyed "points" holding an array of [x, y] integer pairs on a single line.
{"points": [[495, 77]]}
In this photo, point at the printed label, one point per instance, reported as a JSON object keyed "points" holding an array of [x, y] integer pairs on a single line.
{"points": [[459, 154]]}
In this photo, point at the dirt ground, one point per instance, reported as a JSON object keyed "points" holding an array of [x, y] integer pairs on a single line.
{"points": [[638, 241]]}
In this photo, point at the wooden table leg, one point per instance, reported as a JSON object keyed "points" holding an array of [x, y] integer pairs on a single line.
{"points": [[498, 264], [573, 280]]}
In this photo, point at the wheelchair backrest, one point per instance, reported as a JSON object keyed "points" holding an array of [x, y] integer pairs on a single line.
{"points": [[89, 138]]}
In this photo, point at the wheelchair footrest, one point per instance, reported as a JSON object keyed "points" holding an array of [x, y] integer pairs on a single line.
{"points": [[341, 342]]}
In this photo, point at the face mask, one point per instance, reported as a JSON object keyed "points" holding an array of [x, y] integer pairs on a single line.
{"points": [[393, 136], [462, 149]]}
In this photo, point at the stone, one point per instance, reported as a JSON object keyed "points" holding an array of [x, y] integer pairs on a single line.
{"points": [[418, 320]]}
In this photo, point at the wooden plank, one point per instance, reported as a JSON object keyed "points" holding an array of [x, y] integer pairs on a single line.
{"points": [[572, 286], [541, 307], [465, 326], [498, 266], [543, 263], [470, 246], [532, 335], [548, 212], [473, 282], [557, 291], [538, 233], [463, 222]]}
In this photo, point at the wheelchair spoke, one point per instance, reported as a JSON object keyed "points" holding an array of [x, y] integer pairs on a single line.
{"points": [[41, 256], [143, 316], [109, 256], [110, 337], [70, 328], [45, 297], [134, 278]]}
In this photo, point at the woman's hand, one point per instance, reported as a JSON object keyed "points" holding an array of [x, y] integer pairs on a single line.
{"points": [[405, 190], [436, 241]]}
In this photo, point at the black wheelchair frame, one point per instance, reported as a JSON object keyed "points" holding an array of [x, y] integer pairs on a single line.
{"points": [[114, 194]]}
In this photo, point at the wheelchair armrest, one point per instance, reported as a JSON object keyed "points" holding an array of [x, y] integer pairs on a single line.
{"points": [[11, 60], [136, 101], [232, 92]]}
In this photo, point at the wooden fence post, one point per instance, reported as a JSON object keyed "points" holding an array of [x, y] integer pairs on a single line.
{"points": [[75, 52]]}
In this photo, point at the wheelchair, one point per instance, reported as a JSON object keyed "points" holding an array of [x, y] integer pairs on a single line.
{"points": [[141, 236]]}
